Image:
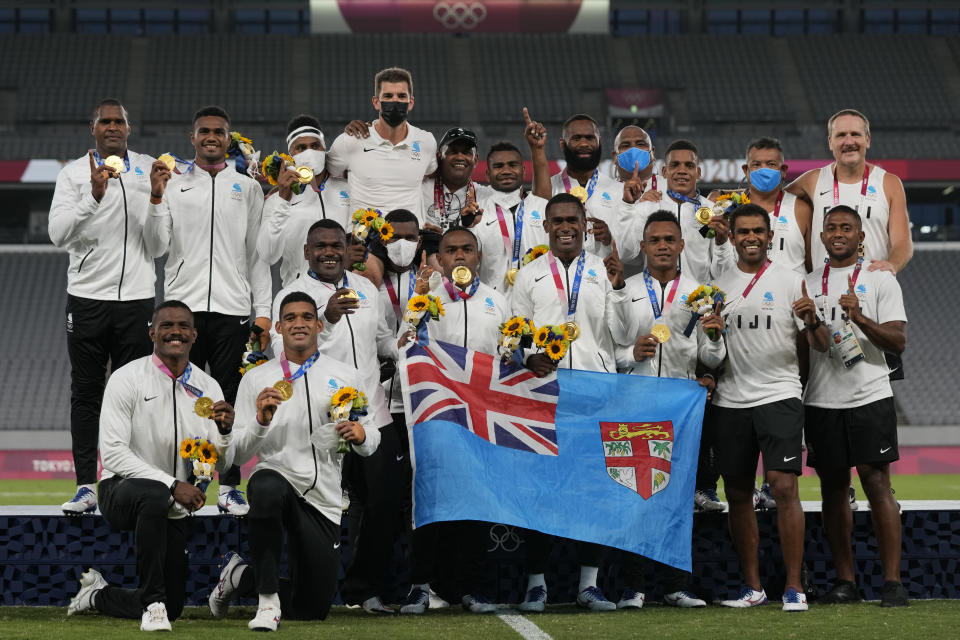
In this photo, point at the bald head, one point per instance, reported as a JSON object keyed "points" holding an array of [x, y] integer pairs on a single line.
{"points": [[630, 137]]}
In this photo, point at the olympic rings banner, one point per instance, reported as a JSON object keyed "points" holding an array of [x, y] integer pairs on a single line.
{"points": [[459, 16]]}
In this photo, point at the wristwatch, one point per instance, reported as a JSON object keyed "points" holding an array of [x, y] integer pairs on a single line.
{"points": [[173, 487], [816, 325]]}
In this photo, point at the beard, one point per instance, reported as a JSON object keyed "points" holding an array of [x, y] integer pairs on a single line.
{"points": [[577, 163]]}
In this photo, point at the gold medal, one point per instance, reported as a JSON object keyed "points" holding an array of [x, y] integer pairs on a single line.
{"points": [[661, 332], [350, 293], [285, 388], [114, 162], [580, 192], [304, 174], [461, 275], [512, 275], [168, 160], [203, 407], [572, 330], [704, 215]]}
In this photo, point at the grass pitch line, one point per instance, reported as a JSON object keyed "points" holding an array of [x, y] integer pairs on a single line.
{"points": [[523, 626]]}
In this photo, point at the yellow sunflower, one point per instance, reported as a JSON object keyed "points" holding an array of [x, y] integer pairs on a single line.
{"points": [[556, 349], [440, 311], [726, 196], [186, 448], [541, 337], [744, 199], [368, 217], [418, 303], [513, 327], [208, 453], [386, 231], [343, 396], [357, 215]]}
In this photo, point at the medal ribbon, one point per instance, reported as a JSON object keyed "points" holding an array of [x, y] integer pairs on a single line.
{"points": [[517, 232], [394, 298], [312, 274], [825, 280], [126, 160], [191, 390], [285, 365], [756, 277], [457, 294], [653, 295], [682, 198], [776, 207], [574, 290], [591, 184], [653, 182], [863, 185]]}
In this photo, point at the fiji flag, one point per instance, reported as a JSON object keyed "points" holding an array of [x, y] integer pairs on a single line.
{"points": [[600, 457]]}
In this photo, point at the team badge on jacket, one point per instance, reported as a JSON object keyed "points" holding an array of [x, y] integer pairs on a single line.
{"points": [[638, 454]]}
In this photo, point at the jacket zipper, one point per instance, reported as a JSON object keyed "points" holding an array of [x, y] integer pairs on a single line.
{"points": [[313, 448], [566, 277], [175, 447], [396, 329], [323, 207], [123, 262], [80, 266], [353, 342], [213, 207], [663, 289], [464, 323]]}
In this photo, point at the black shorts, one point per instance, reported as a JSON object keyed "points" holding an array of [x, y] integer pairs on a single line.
{"points": [[774, 429], [843, 438]]}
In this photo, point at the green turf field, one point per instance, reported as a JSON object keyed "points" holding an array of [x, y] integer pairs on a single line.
{"points": [[908, 487], [934, 618]]}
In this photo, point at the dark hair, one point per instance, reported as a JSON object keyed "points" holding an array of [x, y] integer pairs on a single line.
{"points": [[211, 110], [564, 198], [751, 209], [326, 223], [661, 216], [842, 208], [108, 102], [297, 296], [576, 118], [170, 304], [302, 120], [683, 145], [457, 229], [765, 143], [402, 215], [392, 74], [503, 145]]}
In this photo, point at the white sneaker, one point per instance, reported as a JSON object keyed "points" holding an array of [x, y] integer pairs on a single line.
{"points": [[85, 501], [233, 503], [684, 600], [155, 618], [476, 603], [267, 619], [90, 583], [793, 600], [436, 602], [707, 501], [417, 602], [631, 599], [593, 599], [375, 605], [749, 597], [222, 593]]}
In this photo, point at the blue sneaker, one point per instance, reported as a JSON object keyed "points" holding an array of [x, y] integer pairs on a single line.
{"points": [[593, 599], [793, 600], [233, 502], [535, 600], [707, 500], [631, 599], [764, 500], [84, 502]]}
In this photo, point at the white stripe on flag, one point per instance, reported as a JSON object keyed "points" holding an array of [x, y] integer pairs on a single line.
{"points": [[523, 626]]}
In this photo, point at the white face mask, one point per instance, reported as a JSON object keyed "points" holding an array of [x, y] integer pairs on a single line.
{"points": [[311, 158], [401, 252]]}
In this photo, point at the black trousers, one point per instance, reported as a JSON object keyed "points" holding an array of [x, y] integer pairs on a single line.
{"points": [[454, 552], [99, 332], [633, 567], [221, 341], [376, 484], [313, 560], [141, 505], [539, 546], [707, 474]]}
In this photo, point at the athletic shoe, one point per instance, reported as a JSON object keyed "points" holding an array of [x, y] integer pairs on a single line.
{"points": [[894, 595], [749, 597], [85, 501], [793, 600], [418, 601], [631, 599], [375, 605], [233, 503], [476, 603], [593, 599], [267, 619], [766, 501], [853, 499], [684, 600], [90, 583], [155, 618], [707, 500], [843, 592], [535, 600], [219, 599], [436, 602]]}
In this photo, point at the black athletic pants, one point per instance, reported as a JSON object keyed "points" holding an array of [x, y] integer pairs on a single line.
{"points": [[456, 550], [141, 505], [313, 549], [539, 546], [633, 566], [221, 341], [707, 474], [98, 332]]}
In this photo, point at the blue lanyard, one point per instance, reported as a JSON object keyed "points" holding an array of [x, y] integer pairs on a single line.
{"points": [[593, 183], [189, 387], [301, 371], [517, 235], [126, 160], [652, 294], [679, 196], [575, 289], [312, 274]]}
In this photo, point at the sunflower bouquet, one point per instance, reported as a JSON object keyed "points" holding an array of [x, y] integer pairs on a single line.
{"points": [[419, 307], [703, 300], [552, 340], [533, 253], [724, 205], [347, 403], [253, 357], [201, 457], [274, 165], [365, 220], [247, 158], [515, 333]]}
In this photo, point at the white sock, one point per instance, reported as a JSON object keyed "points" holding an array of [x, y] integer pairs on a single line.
{"points": [[536, 580], [269, 600], [588, 577], [224, 489], [92, 487], [425, 586]]}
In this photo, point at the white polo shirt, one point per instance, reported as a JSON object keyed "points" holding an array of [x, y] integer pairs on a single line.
{"points": [[383, 175]]}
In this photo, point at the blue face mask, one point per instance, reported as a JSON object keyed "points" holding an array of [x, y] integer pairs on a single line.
{"points": [[632, 157], [764, 180]]}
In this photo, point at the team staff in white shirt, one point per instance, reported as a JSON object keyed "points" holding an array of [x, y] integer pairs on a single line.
{"points": [[97, 215], [149, 408], [851, 419], [207, 221], [295, 486], [287, 215], [757, 407]]}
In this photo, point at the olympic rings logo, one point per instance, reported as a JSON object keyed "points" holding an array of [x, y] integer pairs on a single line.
{"points": [[453, 15], [504, 537]]}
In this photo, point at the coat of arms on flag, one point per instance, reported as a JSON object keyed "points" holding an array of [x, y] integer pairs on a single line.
{"points": [[638, 454]]}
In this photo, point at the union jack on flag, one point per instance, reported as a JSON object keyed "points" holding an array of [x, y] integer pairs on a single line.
{"points": [[505, 404]]}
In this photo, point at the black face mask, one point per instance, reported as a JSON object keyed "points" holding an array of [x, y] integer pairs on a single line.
{"points": [[577, 163], [394, 113]]}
